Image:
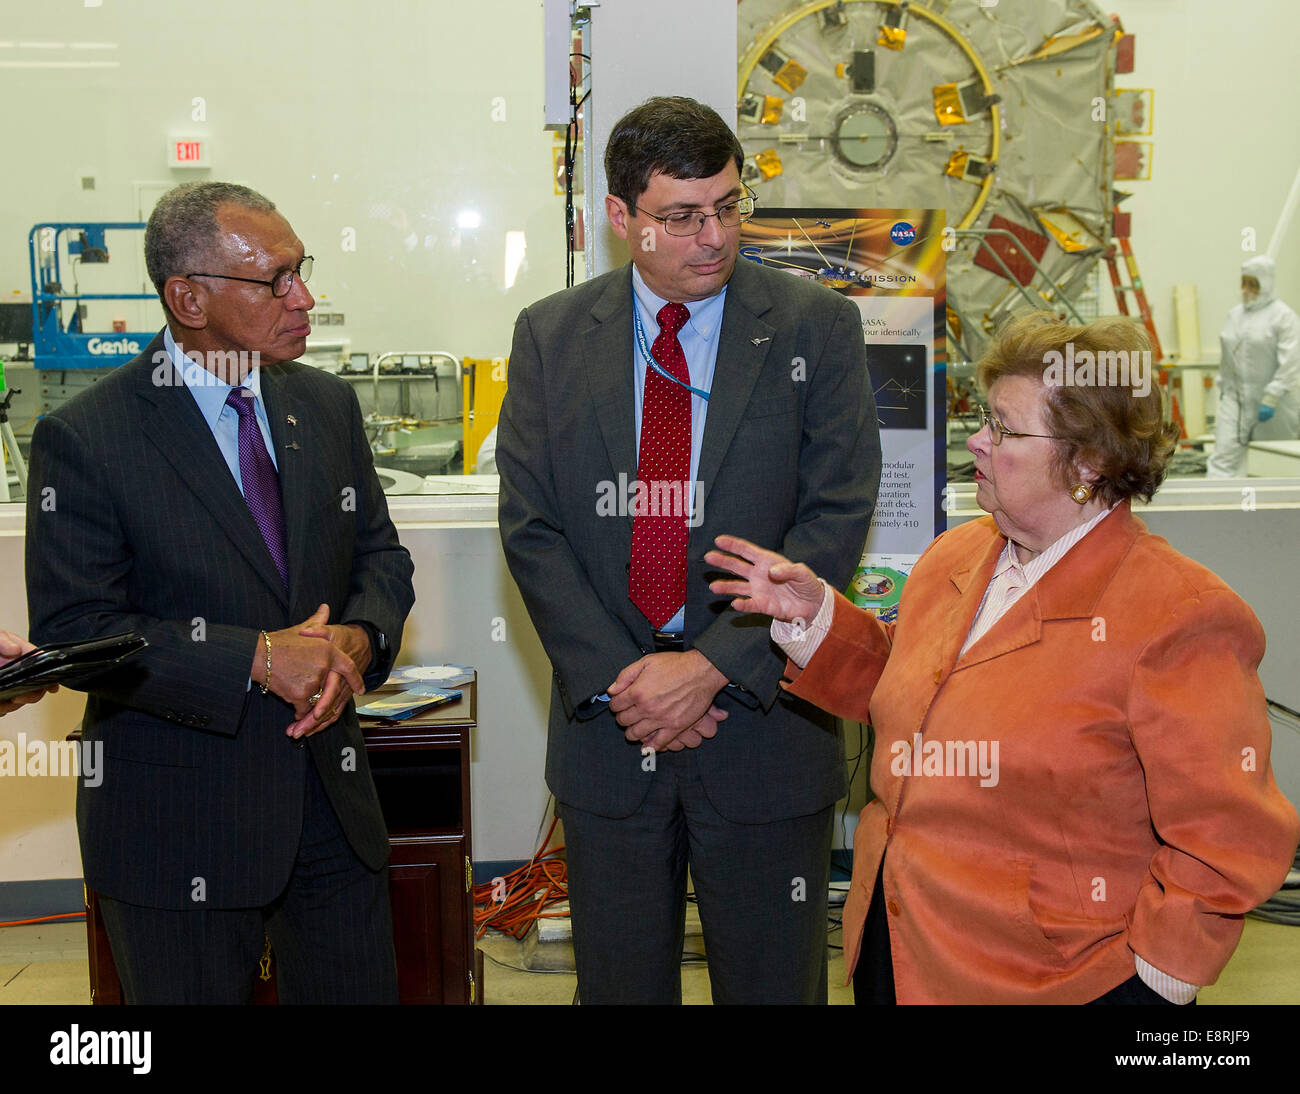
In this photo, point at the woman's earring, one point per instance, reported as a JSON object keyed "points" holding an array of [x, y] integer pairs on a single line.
{"points": [[1081, 492]]}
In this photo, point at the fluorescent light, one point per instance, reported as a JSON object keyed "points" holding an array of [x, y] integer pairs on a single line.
{"points": [[515, 247], [42, 45], [93, 45], [468, 218], [60, 64]]}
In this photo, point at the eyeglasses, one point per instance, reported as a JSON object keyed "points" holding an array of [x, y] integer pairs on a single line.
{"points": [[280, 286], [997, 430], [690, 222]]}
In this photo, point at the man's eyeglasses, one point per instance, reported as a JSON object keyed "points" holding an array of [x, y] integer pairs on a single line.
{"points": [[280, 286], [690, 222], [997, 430]]}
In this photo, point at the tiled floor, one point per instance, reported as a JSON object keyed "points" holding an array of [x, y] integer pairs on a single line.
{"points": [[47, 964]]}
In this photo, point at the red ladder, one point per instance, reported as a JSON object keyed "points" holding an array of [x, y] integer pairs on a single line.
{"points": [[1122, 225]]}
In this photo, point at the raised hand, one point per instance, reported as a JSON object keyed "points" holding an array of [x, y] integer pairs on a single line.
{"points": [[766, 581]]}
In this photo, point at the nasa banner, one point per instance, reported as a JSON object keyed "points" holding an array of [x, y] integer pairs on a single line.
{"points": [[890, 263]]}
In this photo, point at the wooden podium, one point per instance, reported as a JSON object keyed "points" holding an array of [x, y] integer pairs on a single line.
{"points": [[421, 771]]}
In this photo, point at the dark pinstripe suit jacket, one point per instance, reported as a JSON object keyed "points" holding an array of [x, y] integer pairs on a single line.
{"points": [[135, 523], [790, 460]]}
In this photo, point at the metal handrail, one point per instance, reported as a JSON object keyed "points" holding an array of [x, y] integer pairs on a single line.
{"points": [[415, 353], [983, 233]]}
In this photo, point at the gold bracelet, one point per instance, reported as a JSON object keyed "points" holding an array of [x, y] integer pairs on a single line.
{"points": [[266, 685]]}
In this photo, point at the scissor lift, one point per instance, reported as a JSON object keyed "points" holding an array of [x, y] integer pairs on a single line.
{"points": [[60, 343]]}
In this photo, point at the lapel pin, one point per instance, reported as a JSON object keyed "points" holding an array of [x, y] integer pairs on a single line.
{"points": [[291, 420], [760, 341]]}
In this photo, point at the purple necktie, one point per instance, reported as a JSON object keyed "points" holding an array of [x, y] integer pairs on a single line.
{"points": [[260, 482]]}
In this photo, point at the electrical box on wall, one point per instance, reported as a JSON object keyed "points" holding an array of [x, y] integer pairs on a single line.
{"points": [[556, 36], [188, 151]]}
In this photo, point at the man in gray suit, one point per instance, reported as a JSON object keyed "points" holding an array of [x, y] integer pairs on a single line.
{"points": [[221, 499], [648, 411]]}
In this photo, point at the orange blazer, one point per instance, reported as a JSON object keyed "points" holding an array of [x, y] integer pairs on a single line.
{"points": [[1091, 780]]}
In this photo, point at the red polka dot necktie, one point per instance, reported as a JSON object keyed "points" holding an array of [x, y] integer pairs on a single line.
{"points": [[657, 582]]}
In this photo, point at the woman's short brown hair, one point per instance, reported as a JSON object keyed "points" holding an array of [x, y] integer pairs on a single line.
{"points": [[1102, 397]]}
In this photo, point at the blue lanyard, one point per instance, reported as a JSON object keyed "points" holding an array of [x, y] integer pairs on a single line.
{"points": [[652, 363]]}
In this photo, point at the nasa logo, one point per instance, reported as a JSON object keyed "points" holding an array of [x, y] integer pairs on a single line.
{"points": [[102, 346], [902, 233]]}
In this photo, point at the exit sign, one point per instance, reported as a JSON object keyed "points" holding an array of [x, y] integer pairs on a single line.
{"points": [[187, 152]]}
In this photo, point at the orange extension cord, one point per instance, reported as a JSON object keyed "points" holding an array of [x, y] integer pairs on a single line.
{"points": [[529, 891], [44, 919]]}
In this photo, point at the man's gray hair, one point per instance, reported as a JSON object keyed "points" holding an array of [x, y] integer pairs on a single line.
{"points": [[183, 231]]}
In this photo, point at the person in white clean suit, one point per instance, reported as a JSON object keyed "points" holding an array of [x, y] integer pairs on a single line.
{"points": [[1259, 372]]}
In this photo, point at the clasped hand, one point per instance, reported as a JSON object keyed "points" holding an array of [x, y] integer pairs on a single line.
{"points": [[665, 700], [315, 658]]}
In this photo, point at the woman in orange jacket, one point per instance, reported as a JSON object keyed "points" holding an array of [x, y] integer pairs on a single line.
{"points": [[1073, 798]]}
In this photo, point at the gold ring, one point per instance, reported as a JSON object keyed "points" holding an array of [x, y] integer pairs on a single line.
{"points": [[313, 700]]}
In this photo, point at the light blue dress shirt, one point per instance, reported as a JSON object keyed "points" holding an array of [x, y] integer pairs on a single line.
{"points": [[210, 394], [699, 342]]}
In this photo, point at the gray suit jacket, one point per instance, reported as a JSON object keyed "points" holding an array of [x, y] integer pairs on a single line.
{"points": [[790, 460], [135, 523]]}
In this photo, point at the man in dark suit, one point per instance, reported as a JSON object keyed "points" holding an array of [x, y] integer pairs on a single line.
{"points": [[221, 499], [670, 744]]}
